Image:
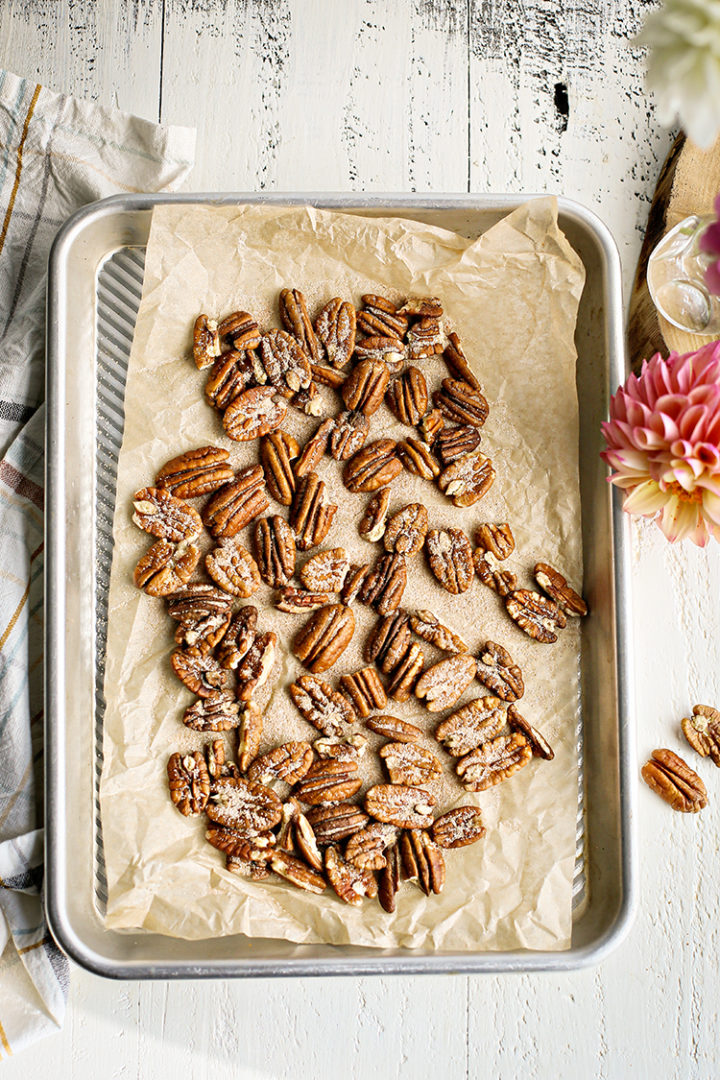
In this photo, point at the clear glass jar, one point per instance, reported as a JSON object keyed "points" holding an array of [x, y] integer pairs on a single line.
{"points": [[676, 279]]}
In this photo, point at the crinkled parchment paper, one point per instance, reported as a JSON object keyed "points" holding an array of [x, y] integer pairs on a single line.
{"points": [[512, 296]]}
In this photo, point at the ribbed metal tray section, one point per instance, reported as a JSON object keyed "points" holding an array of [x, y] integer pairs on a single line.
{"points": [[119, 288]]}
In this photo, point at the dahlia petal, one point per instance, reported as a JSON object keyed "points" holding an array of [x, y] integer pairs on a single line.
{"points": [[678, 519], [645, 499], [710, 239], [691, 420], [709, 455], [711, 506]]}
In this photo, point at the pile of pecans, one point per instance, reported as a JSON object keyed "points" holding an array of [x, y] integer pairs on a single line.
{"points": [[318, 833]]}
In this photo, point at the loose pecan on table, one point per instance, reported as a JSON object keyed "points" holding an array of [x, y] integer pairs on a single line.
{"points": [[301, 601], [381, 316], [354, 581], [329, 782], [198, 670], [288, 762], [217, 712], [425, 338], [232, 374], [314, 449], [297, 872], [457, 363], [675, 782], [240, 331], [336, 822], [497, 539], [393, 728], [702, 731], [417, 459], [365, 849], [406, 674], [249, 733], [390, 350]]}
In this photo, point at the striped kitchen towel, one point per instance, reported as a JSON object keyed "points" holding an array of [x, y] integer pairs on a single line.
{"points": [[56, 154]]}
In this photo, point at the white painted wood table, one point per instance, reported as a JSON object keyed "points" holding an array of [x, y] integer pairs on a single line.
{"points": [[421, 95]]}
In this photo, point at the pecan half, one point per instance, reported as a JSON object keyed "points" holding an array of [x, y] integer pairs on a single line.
{"points": [[539, 744], [326, 571], [238, 637], [365, 849], [297, 872], [364, 690], [333, 823], [254, 669], [253, 413], [468, 479], [232, 507], [450, 558], [675, 782], [373, 467], [441, 685], [217, 712], [384, 585], [417, 459], [457, 363], [232, 374], [324, 637], [425, 338], [166, 567], [537, 616], [426, 306], [349, 882], [354, 582], [393, 728], [702, 731], [374, 521], [277, 451], [196, 472], [203, 614], [294, 317], [554, 584], [431, 426], [503, 582], [240, 330], [494, 761], [458, 827], [198, 670], [308, 400], [428, 627], [306, 842], [327, 376], [364, 389], [301, 601], [389, 641], [285, 362], [349, 435], [326, 709], [256, 871], [244, 805], [389, 880], [206, 342], [249, 734], [409, 764], [232, 567], [275, 550], [497, 670], [459, 402], [351, 748], [335, 326], [453, 443], [389, 350], [395, 804], [189, 782], [381, 316], [164, 516], [407, 397], [422, 861], [288, 762], [406, 530], [470, 726], [497, 539], [217, 764], [314, 449], [329, 782], [310, 516], [248, 848], [406, 674]]}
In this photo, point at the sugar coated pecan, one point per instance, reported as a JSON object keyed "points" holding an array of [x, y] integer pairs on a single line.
{"points": [[425, 338], [407, 397], [396, 804], [351, 748], [462, 404], [468, 479], [364, 389], [324, 637], [163, 515], [166, 567], [417, 459], [457, 363], [275, 550], [382, 347], [249, 733], [254, 669], [364, 690], [203, 614], [406, 674], [454, 442], [458, 827], [393, 728], [301, 601], [206, 341], [381, 316], [326, 571], [354, 581], [326, 709], [424, 306], [217, 712], [497, 539], [539, 744], [406, 530], [238, 637], [310, 516], [232, 567], [431, 426], [244, 805], [374, 521], [230, 375], [285, 362], [554, 584], [336, 822], [240, 330], [384, 585], [329, 782], [200, 671], [536, 615], [335, 326], [389, 640], [314, 449], [675, 782], [422, 860], [441, 685], [349, 435], [471, 725], [253, 413], [189, 782], [294, 317], [277, 451], [234, 505], [327, 376], [373, 467], [365, 849], [428, 627], [350, 883], [503, 582], [450, 558], [702, 731], [497, 670], [297, 872], [196, 472], [410, 764], [234, 842], [288, 762], [494, 761]]}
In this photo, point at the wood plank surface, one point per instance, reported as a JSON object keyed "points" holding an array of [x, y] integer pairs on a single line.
{"points": [[419, 94]]}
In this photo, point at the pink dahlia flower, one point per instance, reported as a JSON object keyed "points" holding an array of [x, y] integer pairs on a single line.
{"points": [[663, 440]]}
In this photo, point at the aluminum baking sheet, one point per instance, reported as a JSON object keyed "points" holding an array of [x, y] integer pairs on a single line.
{"points": [[100, 255]]}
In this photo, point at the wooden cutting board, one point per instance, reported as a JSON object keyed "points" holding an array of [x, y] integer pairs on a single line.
{"points": [[688, 184]]}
